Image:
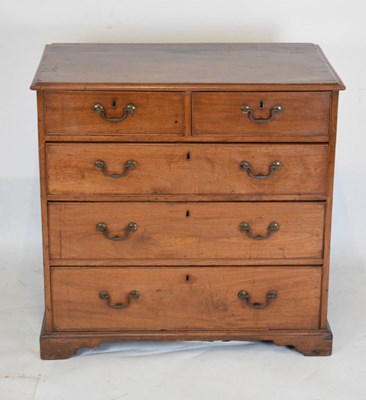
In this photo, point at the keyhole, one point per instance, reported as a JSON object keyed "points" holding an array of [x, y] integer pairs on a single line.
{"points": [[188, 155], [114, 104], [261, 104], [187, 278], [188, 214]]}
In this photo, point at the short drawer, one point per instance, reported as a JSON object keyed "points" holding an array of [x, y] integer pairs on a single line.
{"points": [[269, 114], [192, 232], [195, 169], [116, 113], [102, 299]]}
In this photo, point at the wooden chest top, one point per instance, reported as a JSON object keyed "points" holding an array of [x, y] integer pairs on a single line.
{"points": [[246, 66]]}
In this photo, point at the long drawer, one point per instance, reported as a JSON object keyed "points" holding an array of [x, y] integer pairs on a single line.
{"points": [[185, 298], [192, 232], [191, 169], [116, 113]]}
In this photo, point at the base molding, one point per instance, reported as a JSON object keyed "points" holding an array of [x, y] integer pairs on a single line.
{"points": [[61, 345]]}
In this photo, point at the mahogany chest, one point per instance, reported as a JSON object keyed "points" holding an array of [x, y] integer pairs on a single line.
{"points": [[186, 193]]}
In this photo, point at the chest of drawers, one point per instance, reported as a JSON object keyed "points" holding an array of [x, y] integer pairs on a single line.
{"points": [[186, 193]]}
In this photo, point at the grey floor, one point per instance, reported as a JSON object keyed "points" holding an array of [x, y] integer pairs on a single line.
{"points": [[161, 371]]}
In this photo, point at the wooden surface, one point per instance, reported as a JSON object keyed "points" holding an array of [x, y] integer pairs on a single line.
{"points": [[64, 344], [220, 113], [186, 169], [328, 211], [185, 298], [73, 113], [119, 65], [165, 231], [44, 206]]}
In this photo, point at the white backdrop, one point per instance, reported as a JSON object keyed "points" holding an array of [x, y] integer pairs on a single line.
{"points": [[338, 26]]}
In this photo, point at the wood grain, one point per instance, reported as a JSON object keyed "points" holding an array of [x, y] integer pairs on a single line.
{"points": [[302, 113], [164, 138], [309, 342], [185, 298], [73, 113], [90, 65], [168, 138], [328, 211], [192, 169], [166, 232], [43, 200]]}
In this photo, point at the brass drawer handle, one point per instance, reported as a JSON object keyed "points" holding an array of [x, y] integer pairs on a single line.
{"points": [[275, 166], [245, 296], [103, 228], [272, 228], [249, 111], [99, 109], [128, 166], [133, 295]]}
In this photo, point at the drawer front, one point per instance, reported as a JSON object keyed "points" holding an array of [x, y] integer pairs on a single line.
{"points": [[185, 298], [304, 113], [186, 231], [76, 113], [253, 170]]}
